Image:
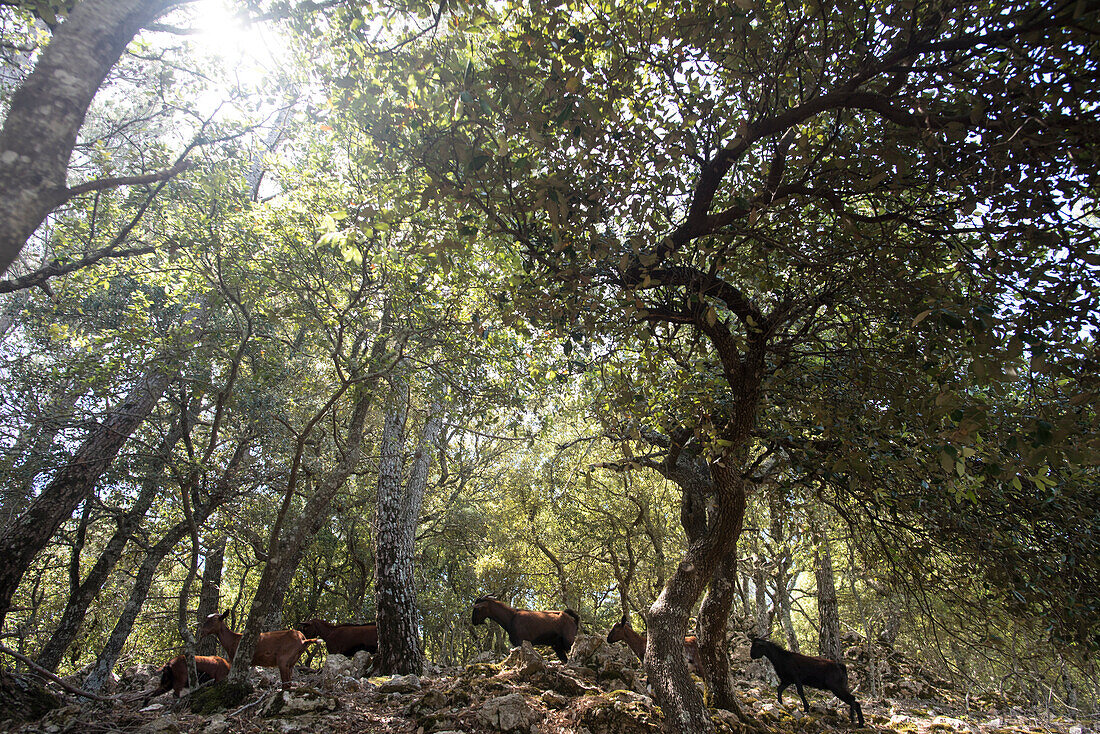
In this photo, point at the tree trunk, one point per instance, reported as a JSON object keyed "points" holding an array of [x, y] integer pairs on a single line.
{"points": [[743, 589], [782, 567], [828, 612], [762, 612], [783, 588], [79, 601], [27, 535], [210, 593], [715, 610], [286, 547], [182, 620], [121, 632], [48, 110], [101, 671], [710, 544], [396, 515]]}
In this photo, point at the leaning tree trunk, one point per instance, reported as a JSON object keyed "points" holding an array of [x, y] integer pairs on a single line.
{"points": [[715, 610], [47, 111], [828, 611], [121, 632], [108, 656], [85, 593], [286, 547], [396, 514], [28, 534]]}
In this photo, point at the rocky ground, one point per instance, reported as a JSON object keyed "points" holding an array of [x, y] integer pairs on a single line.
{"points": [[600, 690]]}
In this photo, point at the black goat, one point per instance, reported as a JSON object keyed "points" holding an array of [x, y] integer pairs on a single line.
{"points": [[803, 670]]}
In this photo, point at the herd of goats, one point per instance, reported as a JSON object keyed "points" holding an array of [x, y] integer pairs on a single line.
{"points": [[556, 629]]}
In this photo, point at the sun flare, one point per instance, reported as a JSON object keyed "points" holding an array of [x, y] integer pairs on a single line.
{"points": [[250, 52]]}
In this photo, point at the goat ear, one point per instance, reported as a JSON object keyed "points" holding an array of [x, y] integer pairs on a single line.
{"points": [[224, 614], [624, 618]]}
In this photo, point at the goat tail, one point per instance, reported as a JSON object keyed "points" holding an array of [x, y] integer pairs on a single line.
{"points": [[576, 617]]}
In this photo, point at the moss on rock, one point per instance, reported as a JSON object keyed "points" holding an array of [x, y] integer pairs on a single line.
{"points": [[219, 697]]}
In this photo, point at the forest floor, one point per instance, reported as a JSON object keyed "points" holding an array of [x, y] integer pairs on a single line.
{"points": [[600, 691]]}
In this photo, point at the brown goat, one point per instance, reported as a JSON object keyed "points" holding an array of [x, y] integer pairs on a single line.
{"points": [[624, 632], [174, 674], [343, 639], [556, 629], [273, 650]]}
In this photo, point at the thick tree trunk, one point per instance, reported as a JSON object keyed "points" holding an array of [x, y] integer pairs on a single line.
{"points": [[827, 610], [81, 598], [715, 610], [48, 109], [210, 592], [396, 515], [668, 617], [28, 534]]}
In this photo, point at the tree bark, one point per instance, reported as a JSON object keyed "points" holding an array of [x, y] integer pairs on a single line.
{"points": [[713, 535], [715, 610], [28, 534], [782, 568], [762, 612], [48, 110], [396, 515], [210, 593], [827, 610]]}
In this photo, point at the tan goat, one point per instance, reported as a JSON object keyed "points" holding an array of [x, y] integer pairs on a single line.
{"points": [[273, 650]]}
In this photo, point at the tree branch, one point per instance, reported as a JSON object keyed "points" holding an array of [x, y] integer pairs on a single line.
{"points": [[43, 672], [115, 181], [43, 274]]}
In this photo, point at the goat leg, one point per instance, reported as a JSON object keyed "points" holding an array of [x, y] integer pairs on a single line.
{"points": [[802, 693]]}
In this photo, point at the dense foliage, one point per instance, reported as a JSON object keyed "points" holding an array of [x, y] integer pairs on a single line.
{"points": [[844, 252]]}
